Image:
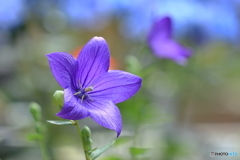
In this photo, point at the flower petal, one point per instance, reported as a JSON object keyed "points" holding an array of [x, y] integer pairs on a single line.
{"points": [[93, 60], [169, 49], [72, 108], [106, 114], [161, 43], [116, 86], [161, 29], [63, 67]]}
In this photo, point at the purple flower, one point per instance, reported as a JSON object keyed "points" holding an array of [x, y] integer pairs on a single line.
{"points": [[89, 88], [161, 42]]}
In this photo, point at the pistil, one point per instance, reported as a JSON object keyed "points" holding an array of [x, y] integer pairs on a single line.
{"points": [[82, 93]]}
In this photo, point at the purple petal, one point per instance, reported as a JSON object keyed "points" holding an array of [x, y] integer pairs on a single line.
{"points": [[169, 49], [72, 108], [106, 114], [116, 86], [63, 67], [161, 29], [159, 40], [93, 60]]}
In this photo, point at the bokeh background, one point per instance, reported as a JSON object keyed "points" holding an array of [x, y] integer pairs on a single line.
{"points": [[181, 112]]}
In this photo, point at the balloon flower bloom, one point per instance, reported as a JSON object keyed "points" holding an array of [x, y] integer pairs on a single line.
{"points": [[163, 46], [90, 90]]}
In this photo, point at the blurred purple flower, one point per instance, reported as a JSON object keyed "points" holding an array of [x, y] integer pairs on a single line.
{"points": [[89, 88], [208, 26], [163, 46]]}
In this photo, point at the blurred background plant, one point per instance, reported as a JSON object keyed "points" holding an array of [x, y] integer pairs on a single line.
{"points": [[180, 112]]}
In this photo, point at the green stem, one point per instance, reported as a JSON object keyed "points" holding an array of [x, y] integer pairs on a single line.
{"points": [[80, 134], [43, 149]]}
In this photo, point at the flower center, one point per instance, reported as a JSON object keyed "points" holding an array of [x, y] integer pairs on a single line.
{"points": [[83, 93]]}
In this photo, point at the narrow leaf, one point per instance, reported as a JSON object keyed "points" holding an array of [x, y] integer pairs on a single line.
{"points": [[96, 153], [61, 122]]}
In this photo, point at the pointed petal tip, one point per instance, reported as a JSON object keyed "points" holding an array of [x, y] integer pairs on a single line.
{"points": [[140, 80], [106, 114], [163, 21], [48, 55], [166, 18], [65, 116], [98, 38], [139, 83], [161, 30], [58, 54], [118, 133], [59, 114]]}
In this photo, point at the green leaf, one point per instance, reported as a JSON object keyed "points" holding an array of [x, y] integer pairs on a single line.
{"points": [[94, 149], [61, 122], [34, 137], [138, 151], [96, 153]]}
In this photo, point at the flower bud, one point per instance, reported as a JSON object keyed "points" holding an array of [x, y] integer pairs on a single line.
{"points": [[87, 144], [86, 132], [35, 110], [86, 137], [58, 98]]}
